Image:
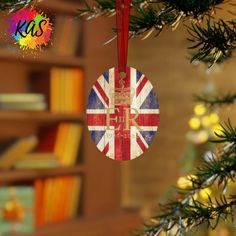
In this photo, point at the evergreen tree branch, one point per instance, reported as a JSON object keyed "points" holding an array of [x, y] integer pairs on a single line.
{"points": [[12, 5], [187, 213], [215, 42], [154, 15], [227, 99], [183, 218]]}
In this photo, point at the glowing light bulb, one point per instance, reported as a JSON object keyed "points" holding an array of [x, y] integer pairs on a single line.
{"points": [[185, 181], [202, 136], [205, 193], [194, 123], [200, 109], [217, 129], [214, 118]]}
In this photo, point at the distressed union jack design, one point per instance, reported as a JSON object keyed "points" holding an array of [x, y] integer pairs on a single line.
{"points": [[122, 114]]}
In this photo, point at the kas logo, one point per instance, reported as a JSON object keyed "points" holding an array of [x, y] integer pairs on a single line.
{"points": [[30, 29]]}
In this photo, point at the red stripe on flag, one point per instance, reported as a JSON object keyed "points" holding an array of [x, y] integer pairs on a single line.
{"points": [[102, 93], [141, 85], [140, 143], [106, 149], [146, 119], [122, 136], [96, 119]]}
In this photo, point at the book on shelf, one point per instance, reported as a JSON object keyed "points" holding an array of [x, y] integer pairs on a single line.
{"points": [[57, 199], [23, 101], [66, 90], [64, 141], [16, 151], [67, 29], [17, 207], [38, 160], [50, 200]]}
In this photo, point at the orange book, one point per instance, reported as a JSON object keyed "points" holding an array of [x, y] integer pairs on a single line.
{"points": [[78, 91], [48, 199], [39, 203], [65, 192], [67, 198], [58, 191]]}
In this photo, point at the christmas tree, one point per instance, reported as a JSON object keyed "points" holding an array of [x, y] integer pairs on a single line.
{"points": [[212, 41]]}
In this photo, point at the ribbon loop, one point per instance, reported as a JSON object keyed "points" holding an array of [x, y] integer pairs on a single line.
{"points": [[122, 26]]}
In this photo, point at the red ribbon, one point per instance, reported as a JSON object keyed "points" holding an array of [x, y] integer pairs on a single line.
{"points": [[122, 25]]}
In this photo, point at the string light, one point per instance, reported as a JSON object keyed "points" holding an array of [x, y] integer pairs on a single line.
{"points": [[194, 123], [200, 109]]}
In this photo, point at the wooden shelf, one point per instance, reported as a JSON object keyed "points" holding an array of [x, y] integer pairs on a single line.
{"points": [[16, 124], [42, 58], [123, 223], [21, 175], [62, 6], [38, 116]]}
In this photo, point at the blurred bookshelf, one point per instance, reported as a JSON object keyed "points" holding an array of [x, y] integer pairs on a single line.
{"points": [[32, 174], [42, 111], [44, 58]]}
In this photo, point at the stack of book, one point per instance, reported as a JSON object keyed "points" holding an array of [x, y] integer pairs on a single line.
{"points": [[57, 147], [23, 101], [66, 90], [67, 29], [57, 199], [64, 141], [51, 200]]}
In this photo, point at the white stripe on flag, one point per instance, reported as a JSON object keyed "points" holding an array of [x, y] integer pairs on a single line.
{"points": [[100, 97]]}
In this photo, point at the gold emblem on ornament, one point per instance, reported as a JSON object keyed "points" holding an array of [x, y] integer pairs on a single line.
{"points": [[122, 96]]}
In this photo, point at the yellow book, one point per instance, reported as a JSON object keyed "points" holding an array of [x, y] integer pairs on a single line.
{"points": [[61, 143], [73, 141], [77, 137], [17, 151], [75, 197]]}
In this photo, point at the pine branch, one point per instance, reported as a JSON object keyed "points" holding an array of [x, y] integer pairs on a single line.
{"points": [[187, 213], [154, 15], [13, 5], [227, 99], [214, 43], [183, 218]]}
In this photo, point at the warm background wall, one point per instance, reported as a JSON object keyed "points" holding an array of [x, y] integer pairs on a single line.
{"points": [[165, 62]]}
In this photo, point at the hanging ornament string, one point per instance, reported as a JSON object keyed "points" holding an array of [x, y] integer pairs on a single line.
{"points": [[122, 26], [123, 110]]}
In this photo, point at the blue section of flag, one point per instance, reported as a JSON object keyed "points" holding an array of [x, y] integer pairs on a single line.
{"points": [[106, 76], [138, 75], [148, 136], [151, 101], [94, 102], [97, 136]]}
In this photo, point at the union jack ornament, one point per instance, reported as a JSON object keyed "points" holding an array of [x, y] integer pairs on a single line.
{"points": [[122, 114]]}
